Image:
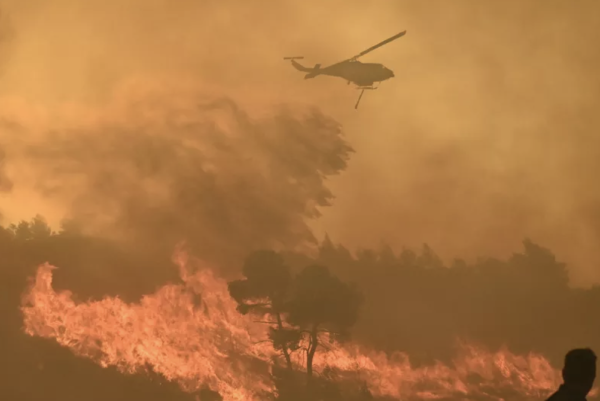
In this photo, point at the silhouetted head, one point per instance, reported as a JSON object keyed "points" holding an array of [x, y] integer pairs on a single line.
{"points": [[580, 369]]}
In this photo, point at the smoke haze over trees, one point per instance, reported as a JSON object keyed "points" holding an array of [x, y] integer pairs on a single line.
{"points": [[174, 166], [484, 137], [413, 300]]}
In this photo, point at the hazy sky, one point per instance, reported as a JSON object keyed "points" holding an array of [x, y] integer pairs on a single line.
{"points": [[487, 134]]}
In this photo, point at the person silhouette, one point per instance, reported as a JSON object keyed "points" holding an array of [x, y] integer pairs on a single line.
{"points": [[579, 373]]}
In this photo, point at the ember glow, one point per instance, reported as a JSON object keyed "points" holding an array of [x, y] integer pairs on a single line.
{"points": [[192, 334]]}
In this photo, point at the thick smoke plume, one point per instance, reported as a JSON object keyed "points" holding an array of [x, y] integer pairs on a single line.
{"points": [[168, 165], [485, 136]]}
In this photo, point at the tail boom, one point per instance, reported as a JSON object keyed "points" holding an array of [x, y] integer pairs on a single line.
{"points": [[311, 72]]}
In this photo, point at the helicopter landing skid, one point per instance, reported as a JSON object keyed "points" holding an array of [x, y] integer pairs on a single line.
{"points": [[362, 91]]}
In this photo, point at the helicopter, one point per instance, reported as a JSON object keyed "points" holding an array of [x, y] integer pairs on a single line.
{"points": [[363, 75]]}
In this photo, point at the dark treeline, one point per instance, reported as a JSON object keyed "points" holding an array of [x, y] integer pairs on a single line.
{"points": [[415, 302], [412, 302]]}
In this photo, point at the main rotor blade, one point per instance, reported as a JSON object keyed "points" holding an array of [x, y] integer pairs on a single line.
{"points": [[385, 42]]}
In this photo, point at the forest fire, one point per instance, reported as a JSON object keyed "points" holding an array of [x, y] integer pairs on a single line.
{"points": [[192, 334]]}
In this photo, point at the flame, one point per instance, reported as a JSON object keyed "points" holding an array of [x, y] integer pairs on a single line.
{"points": [[192, 334]]}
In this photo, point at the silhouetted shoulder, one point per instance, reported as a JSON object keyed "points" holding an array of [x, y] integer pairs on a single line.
{"points": [[565, 394], [557, 396]]}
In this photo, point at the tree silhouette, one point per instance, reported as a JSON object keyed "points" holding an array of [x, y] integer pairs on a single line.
{"points": [[264, 291], [36, 229], [322, 303]]}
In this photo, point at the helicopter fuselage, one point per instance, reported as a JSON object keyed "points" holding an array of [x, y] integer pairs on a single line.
{"points": [[361, 74]]}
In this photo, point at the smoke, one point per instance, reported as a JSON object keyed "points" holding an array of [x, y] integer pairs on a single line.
{"points": [[6, 39], [166, 165], [5, 183], [484, 137]]}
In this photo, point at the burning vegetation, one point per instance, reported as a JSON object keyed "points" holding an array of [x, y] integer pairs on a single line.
{"points": [[279, 331], [192, 334]]}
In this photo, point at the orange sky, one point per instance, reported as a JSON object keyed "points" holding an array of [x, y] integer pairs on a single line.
{"points": [[487, 135]]}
